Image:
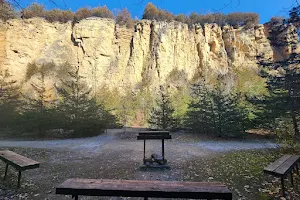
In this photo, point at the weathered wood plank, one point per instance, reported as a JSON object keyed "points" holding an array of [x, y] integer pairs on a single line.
{"points": [[154, 137], [138, 188], [18, 161], [273, 166], [154, 133], [287, 166]]}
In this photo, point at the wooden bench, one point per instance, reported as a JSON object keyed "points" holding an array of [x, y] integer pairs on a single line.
{"points": [[142, 188], [19, 162], [282, 167]]}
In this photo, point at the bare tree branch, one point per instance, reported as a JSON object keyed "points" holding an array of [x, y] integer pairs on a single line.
{"points": [[226, 5]]}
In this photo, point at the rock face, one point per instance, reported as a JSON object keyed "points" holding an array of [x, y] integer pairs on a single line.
{"points": [[123, 58]]}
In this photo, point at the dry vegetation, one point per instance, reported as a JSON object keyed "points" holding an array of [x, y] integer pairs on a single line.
{"points": [[236, 19], [124, 18]]}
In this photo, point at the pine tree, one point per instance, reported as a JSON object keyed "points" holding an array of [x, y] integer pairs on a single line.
{"points": [[284, 89], [81, 113], [229, 118], [9, 99], [38, 110], [161, 116], [282, 106], [200, 116], [213, 112]]}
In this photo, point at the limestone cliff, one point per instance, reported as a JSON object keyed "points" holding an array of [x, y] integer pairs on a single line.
{"points": [[123, 58]]}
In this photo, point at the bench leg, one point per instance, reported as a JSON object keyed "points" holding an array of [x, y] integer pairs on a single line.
{"points": [[6, 169], [75, 197], [145, 198], [282, 186], [19, 179], [297, 169], [144, 160], [292, 180]]}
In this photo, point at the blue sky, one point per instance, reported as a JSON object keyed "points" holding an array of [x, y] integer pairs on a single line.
{"points": [[265, 8]]}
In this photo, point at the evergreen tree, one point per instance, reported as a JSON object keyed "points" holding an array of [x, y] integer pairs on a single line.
{"points": [[213, 112], [200, 115], [9, 99], [229, 118], [282, 107], [284, 89], [38, 110], [161, 116], [80, 112]]}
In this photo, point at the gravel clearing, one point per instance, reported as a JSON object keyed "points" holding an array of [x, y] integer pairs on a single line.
{"points": [[113, 155]]}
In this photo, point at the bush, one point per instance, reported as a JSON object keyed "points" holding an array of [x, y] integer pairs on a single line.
{"points": [[284, 131], [102, 12], [124, 18], [82, 13], [150, 12], [277, 21], [6, 11], [181, 18], [242, 19], [66, 16], [34, 10], [53, 15], [63, 16]]}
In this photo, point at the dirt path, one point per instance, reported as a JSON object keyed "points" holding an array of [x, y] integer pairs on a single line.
{"points": [[111, 140]]}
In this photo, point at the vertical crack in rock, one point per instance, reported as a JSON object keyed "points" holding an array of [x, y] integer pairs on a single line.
{"points": [[200, 56], [77, 42], [131, 48]]}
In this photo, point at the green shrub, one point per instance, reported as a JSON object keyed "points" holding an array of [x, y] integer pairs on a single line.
{"points": [[124, 18], [284, 131], [181, 18], [102, 12]]}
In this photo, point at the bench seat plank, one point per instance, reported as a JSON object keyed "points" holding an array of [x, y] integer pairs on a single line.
{"points": [[154, 133], [282, 166], [287, 165], [19, 162], [154, 137], [273, 166], [138, 188]]}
